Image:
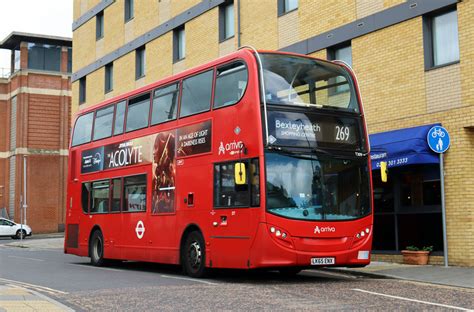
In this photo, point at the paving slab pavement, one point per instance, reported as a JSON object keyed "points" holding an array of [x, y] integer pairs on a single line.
{"points": [[16, 298]]}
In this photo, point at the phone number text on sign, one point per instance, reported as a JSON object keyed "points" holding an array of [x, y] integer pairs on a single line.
{"points": [[395, 162]]}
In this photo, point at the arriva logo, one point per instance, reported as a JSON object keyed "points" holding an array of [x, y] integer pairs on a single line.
{"points": [[320, 230]]}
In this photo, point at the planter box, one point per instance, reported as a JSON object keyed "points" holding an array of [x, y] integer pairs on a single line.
{"points": [[415, 257]]}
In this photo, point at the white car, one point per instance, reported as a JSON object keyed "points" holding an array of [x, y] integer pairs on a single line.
{"points": [[12, 229]]}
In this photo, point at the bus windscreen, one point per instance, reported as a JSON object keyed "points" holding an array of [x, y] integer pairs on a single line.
{"points": [[300, 81]]}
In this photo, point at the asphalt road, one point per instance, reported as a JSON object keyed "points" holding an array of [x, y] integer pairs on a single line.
{"points": [[150, 287]]}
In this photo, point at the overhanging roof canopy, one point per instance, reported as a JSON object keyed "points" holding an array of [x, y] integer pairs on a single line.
{"points": [[13, 40], [402, 147]]}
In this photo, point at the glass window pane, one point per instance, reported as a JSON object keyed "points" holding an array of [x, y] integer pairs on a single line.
{"points": [[83, 129], [227, 193], [86, 188], [445, 38], [109, 77], [291, 5], [100, 197], [103, 123], [138, 110], [164, 104], [134, 193], [181, 44], [196, 95], [231, 82], [229, 21], [254, 174], [116, 194], [52, 58], [119, 118]]}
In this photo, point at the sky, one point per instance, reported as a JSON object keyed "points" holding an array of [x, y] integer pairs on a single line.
{"points": [[45, 17]]}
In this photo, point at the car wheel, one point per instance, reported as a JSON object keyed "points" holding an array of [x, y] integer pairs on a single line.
{"points": [[194, 255], [20, 234], [96, 249]]}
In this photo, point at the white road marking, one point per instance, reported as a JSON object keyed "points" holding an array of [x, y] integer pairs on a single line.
{"points": [[413, 300], [34, 287], [34, 259], [190, 279]]}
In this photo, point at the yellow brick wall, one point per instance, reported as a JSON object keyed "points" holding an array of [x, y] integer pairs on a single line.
{"points": [[390, 68], [202, 35], [466, 50], [318, 16], [259, 24], [83, 53], [389, 64], [114, 27]]}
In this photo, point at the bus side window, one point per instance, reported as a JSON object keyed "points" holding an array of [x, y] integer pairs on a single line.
{"points": [[119, 117], [165, 104], [134, 198], [196, 94], [231, 82], [83, 129], [226, 192], [100, 197], [103, 123], [86, 189], [254, 179], [116, 195], [137, 114]]}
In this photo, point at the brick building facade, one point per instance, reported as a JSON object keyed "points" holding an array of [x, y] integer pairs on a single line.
{"points": [[414, 61], [35, 109]]}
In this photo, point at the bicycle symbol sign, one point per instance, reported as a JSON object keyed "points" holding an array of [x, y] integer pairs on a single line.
{"points": [[438, 139]]}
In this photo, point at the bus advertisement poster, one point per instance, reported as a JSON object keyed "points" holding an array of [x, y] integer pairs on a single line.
{"points": [[194, 139], [164, 172]]}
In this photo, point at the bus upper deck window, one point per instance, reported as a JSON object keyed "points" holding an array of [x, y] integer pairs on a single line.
{"points": [[196, 95], [83, 129], [231, 82]]}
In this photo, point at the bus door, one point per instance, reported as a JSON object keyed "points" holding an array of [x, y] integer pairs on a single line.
{"points": [[136, 226], [234, 221]]}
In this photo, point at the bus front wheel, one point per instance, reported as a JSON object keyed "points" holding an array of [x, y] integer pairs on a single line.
{"points": [[194, 255], [96, 248]]}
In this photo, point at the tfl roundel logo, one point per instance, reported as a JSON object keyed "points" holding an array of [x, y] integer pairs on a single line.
{"points": [[140, 229]]}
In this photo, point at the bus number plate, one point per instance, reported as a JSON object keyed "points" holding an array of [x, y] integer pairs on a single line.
{"points": [[322, 261]]}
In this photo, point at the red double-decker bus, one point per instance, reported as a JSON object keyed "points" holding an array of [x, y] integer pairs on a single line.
{"points": [[254, 160]]}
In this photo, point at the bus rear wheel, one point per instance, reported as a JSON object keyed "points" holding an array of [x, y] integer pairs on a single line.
{"points": [[194, 255], [96, 248]]}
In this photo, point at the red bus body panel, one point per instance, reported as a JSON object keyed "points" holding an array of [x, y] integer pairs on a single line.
{"points": [[242, 237]]}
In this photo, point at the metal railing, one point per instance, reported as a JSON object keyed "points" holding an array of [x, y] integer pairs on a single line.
{"points": [[5, 72]]}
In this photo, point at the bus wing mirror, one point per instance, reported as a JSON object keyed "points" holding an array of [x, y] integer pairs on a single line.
{"points": [[240, 174], [383, 171]]}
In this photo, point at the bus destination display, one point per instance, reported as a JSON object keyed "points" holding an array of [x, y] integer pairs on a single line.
{"points": [[312, 130]]}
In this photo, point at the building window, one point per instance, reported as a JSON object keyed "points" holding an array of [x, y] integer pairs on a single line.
{"points": [[226, 21], [69, 60], [82, 90], [285, 6], [179, 45], [44, 57], [341, 53], [99, 25], [140, 62], [441, 42], [128, 10], [109, 77]]}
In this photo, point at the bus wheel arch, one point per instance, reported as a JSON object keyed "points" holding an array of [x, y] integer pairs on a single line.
{"points": [[96, 246], [193, 252]]}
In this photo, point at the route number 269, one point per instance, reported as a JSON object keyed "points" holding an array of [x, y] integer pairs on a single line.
{"points": [[342, 133]]}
